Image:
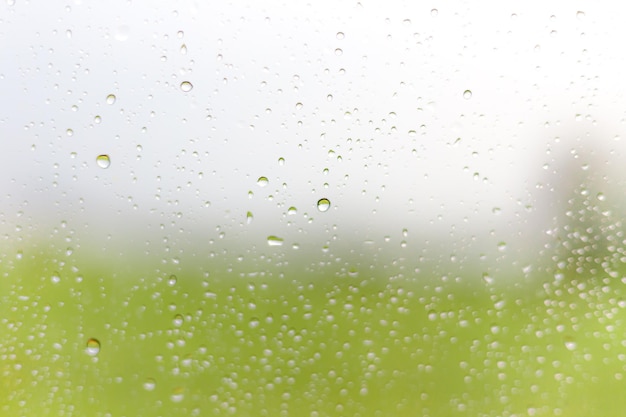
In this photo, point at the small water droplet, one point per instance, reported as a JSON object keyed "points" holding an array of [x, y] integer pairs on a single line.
{"points": [[111, 99], [275, 241], [467, 94], [262, 181], [103, 161], [570, 344], [323, 204], [292, 210], [183, 49], [177, 395], [178, 320], [172, 280], [432, 315], [338, 52], [249, 217], [340, 35], [186, 86], [281, 161], [254, 323], [149, 384], [93, 347], [434, 12]]}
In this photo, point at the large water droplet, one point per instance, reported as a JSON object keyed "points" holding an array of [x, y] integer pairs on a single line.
{"points": [[93, 347], [111, 99], [467, 94], [103, 161], [275, 241], [262, 181], [323, 204], [186, 86]]}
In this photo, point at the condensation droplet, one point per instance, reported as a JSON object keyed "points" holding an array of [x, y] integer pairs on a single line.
{"points": [[186, 86], [281, 161], [103, 161], [275, 241], [262, 181], [93, 347], [111, 99], [178, 320], [467, 94], [172, 280], [340, 35], [434, 12], [323, 204], [249, 217]]}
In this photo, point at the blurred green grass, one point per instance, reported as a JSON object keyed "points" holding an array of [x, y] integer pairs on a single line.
{"points": [[306, 339]]}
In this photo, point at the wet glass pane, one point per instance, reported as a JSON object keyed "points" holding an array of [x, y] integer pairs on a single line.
{"points": [[311, 209]]}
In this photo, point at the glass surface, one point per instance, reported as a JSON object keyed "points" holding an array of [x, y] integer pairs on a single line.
{"points": [[311, 209]]}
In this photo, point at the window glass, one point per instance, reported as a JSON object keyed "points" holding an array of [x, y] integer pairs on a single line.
{"points": [[315, 209]]}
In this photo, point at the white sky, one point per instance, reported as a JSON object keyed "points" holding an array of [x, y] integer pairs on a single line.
{"points": [[415, 154]]}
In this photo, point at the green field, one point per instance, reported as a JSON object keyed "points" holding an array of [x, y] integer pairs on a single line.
{"points": [[300, 338]]}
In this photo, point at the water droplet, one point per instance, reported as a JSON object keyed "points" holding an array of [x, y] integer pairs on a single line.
{"points": [[172, 280], [122, 33], [432, 315], [434, 12], [69, 132], [177, 395], [97, 119], [254, 323], [601, 197], [249, 217], [111, 99], [580, 14], [149, 384], [467, 94], [340, 35], [186, 86], [178, 320], [183, 49], [275, 241], [93, 347], [103, 161], [281, 161], [570, 344], [262, 181], [323, 204], [298, 105], [338, 52], [292, 210]]}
